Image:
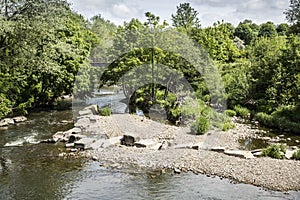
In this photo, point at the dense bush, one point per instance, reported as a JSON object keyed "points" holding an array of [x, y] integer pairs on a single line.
{"points": [[106, 111], [227, 126], [230, 113], [201, 126], [296, 155], [241, 111], [275, 151]]}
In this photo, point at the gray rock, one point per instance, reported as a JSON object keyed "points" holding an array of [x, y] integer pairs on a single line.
{"points": [[70, 145], [197, 146], [58, 136], [74, 130], [297, 141], [218, 149], [75, 137], [164, 145], [129, 139], [257, 154], [158, 146], [281, 136], [6, 122], [146, 143], [240, 154], [20, 119], [82, 122], [289, 154], [84, 143], [289, 139], [97, 144], [177, 171], [85, 112], [93, 108]]}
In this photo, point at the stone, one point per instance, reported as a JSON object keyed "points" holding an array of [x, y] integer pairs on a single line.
{"points": [[82, 122], [20, 119], [85, 112], [6, 122], [177, 171], [58, 136], [289, 154], [281, 136], [240, 154], [73, 150], [74, 130], [164, 145], [129, 139], [184, 146], [297, 141], [289, 139], [64, 121], [257, 154], [146, 143], [218, 149], [75, 137], [84, 143], [294, 147], [93, 108], [94, 158], [95, 118], [70, 145]]}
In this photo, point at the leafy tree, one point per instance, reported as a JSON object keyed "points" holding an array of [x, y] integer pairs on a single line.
{"points": [[283, 29], [267, 30], [245, 33], [185, 17], [293, 15]]}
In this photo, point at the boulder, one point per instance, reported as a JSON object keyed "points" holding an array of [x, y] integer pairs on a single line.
{"points": [[97, 144], [75, 137], [129, 139], [197, 146], [84, 143], [70, 145], [20, 119], [6, 122], [146, 143], [82, 122], [74, 130], [157, 146], [240, 154]]}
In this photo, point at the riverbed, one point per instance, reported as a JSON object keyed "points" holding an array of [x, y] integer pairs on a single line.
{"points": [[35, 171]]}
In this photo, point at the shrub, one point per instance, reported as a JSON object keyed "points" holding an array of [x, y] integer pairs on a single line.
{"points": [[274, 151], [227, 126], [230, 113], [106, 111], [241, 111], [296, 155], [201, 126]]}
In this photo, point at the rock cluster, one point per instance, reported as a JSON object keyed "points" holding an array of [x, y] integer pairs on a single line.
{"points": [[11, 121]]}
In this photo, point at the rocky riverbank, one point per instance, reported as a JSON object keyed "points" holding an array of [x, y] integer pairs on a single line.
{"points": [[123, 140]]}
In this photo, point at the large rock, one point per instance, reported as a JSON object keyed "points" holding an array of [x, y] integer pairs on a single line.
{"points": [[289, 154], [20, 119], [6, 122], [82, 122], [129, 139], [84, 143], [146, 143], [93, 108], [240, 154], [75, 137], [97, 144]]}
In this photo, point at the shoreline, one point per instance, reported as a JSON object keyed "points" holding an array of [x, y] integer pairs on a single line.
{"points": [[170, 148]]}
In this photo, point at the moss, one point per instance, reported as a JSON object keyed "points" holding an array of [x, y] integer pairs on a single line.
{"points": [[106, 111]]}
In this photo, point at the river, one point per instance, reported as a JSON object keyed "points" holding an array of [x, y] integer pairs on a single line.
{"points": [[30, 170]]}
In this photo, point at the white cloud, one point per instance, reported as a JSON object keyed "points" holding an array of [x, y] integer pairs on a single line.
{"points": [[122, 11]]}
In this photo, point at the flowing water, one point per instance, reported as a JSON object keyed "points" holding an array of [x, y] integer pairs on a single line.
{"points": [[29, 170]]}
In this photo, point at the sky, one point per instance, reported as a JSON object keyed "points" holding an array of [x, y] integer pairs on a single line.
{"points": [[209, 11]]}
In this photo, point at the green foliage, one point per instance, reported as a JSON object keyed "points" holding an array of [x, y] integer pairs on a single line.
{"points": [[227, 126], [105, 111], [4, 105], [267, 30], [274, 151], [241, 111], [185, 17], [201, 126], [296, 155], [230, 113]]}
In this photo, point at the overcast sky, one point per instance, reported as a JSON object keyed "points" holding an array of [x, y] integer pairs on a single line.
{"points": [[210, 11]]}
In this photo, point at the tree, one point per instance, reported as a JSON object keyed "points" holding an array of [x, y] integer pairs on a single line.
{"points": [[245, 33], [267, 30], [185, 17], [293, 15], [283, 29]]}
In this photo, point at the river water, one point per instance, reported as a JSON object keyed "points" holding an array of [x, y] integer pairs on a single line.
{"points": [[34, 171]]}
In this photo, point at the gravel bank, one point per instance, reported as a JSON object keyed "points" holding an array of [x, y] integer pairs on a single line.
{"points": [[281, 175]]}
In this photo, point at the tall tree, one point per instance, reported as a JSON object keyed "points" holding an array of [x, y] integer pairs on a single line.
{"points": [[293, 15], [185, 17]]}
